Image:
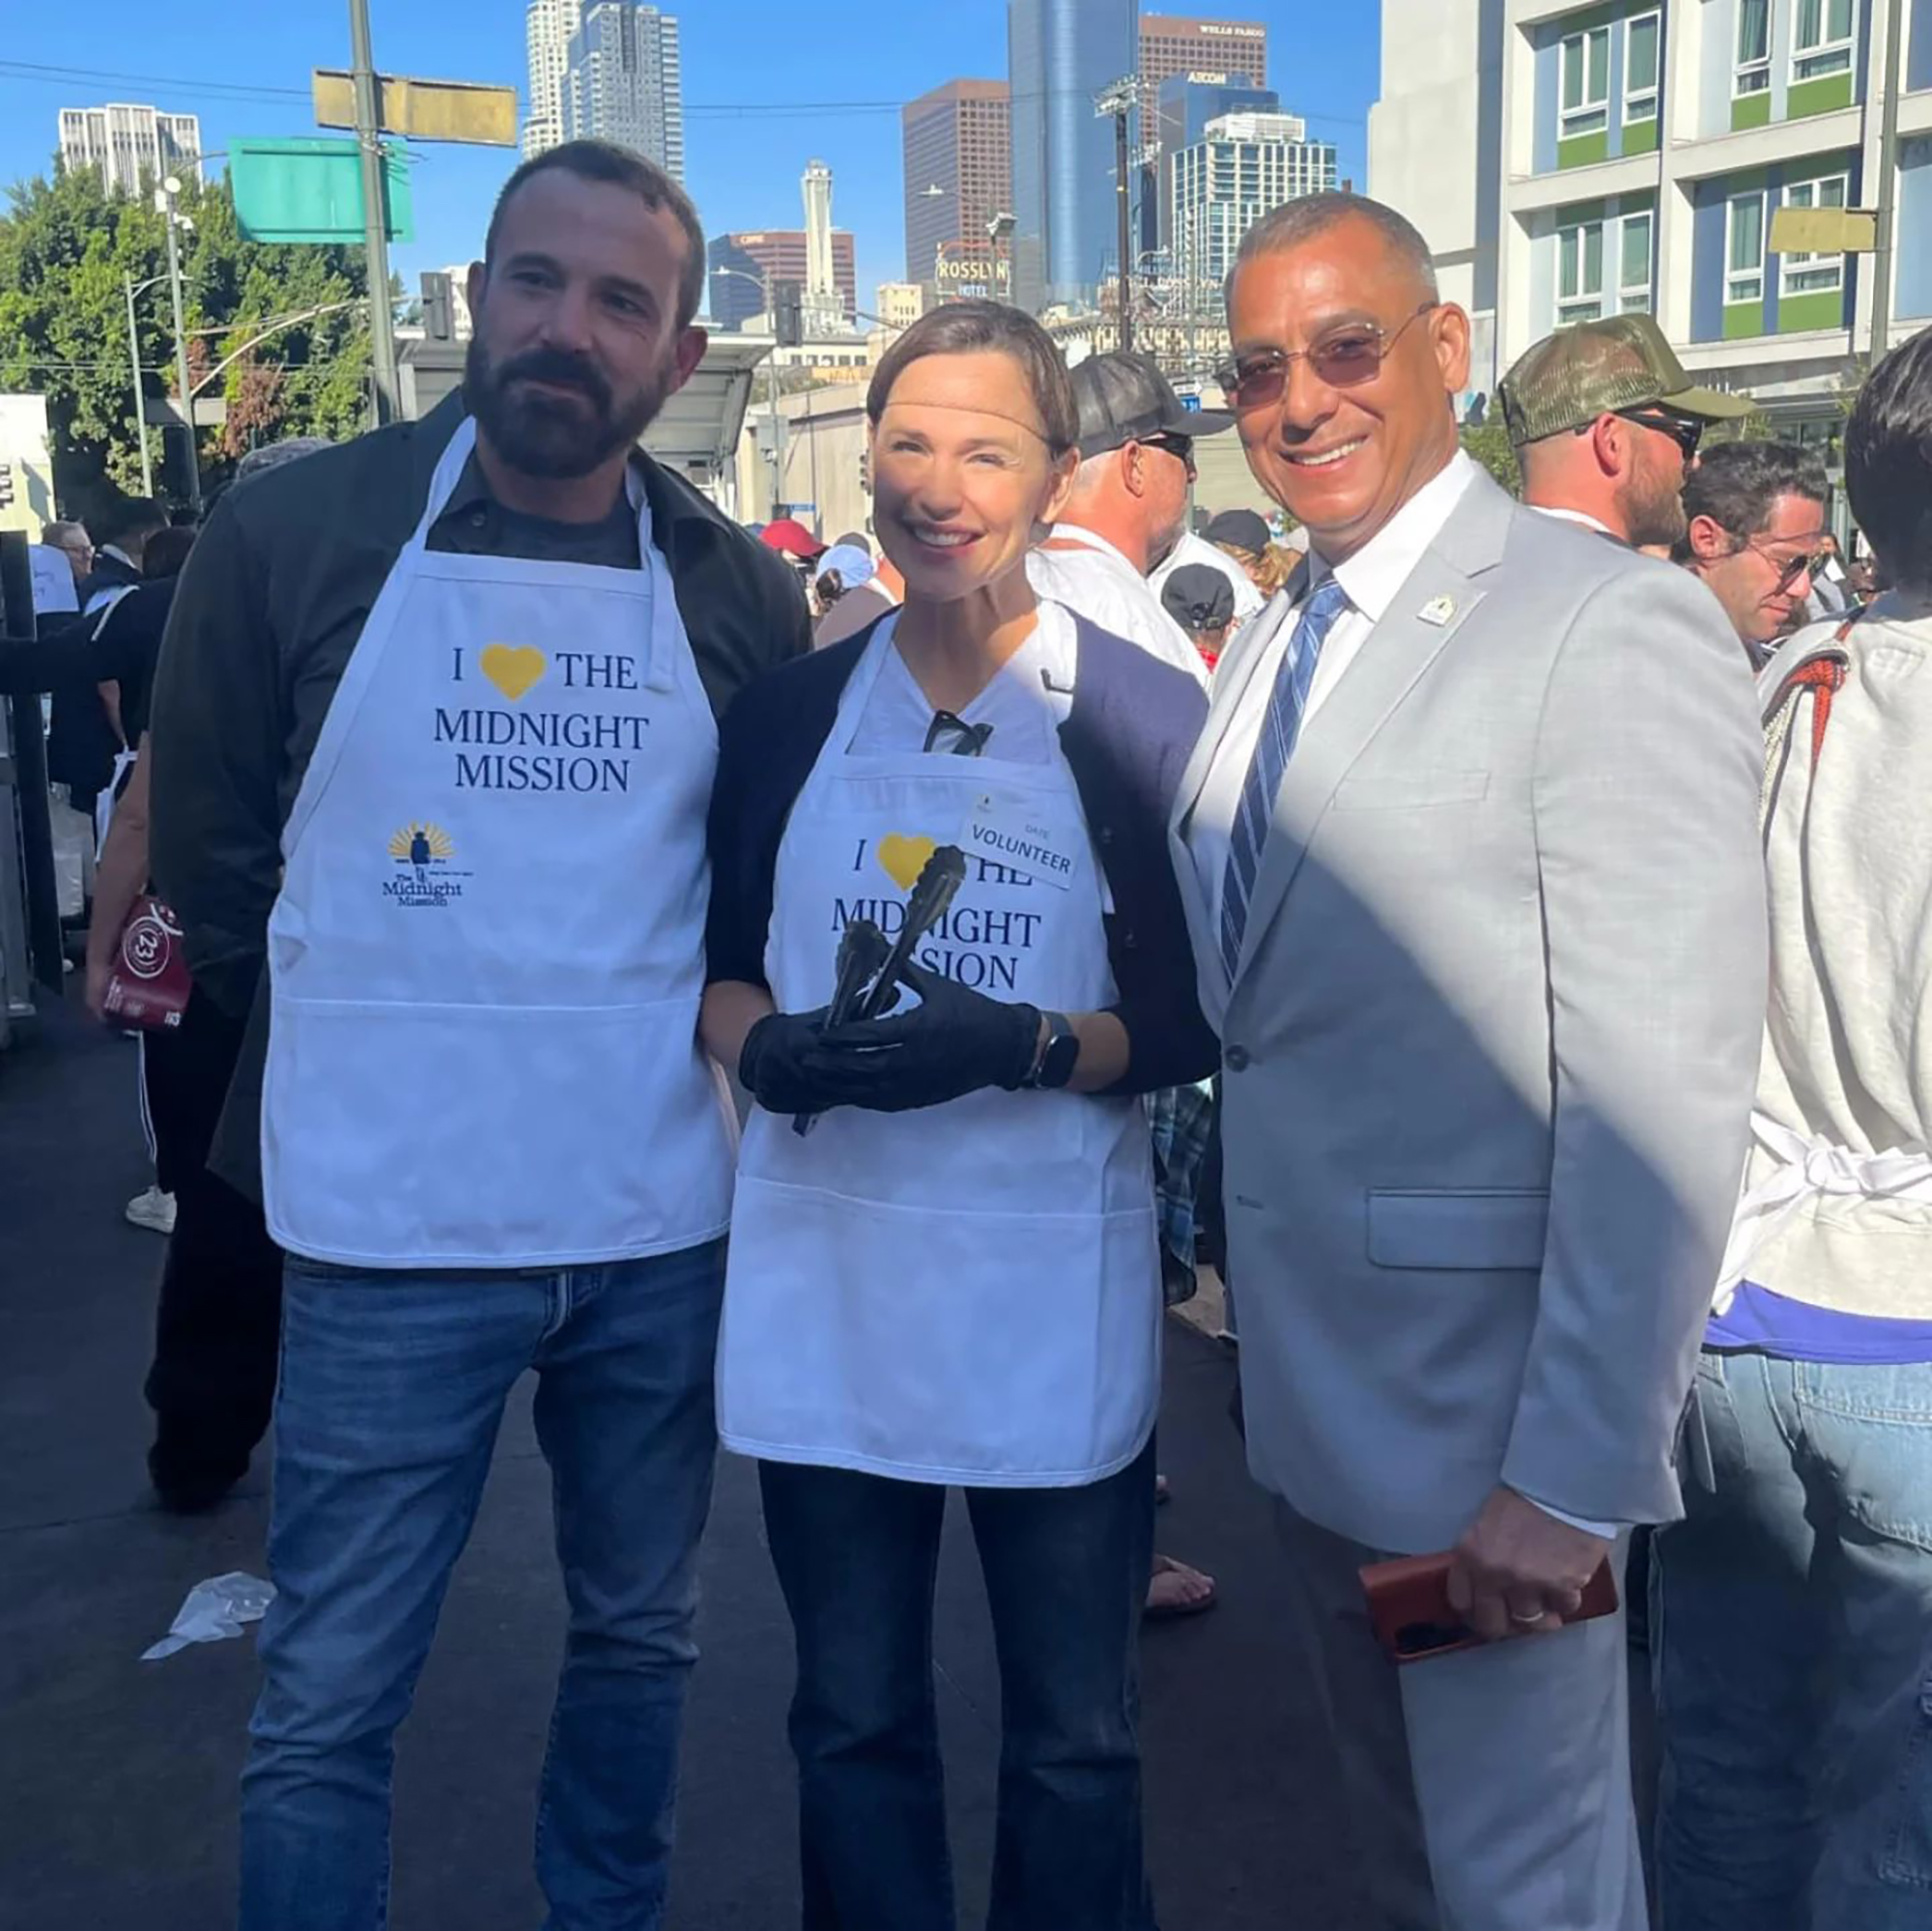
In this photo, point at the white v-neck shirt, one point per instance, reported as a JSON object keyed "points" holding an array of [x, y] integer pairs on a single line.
{"points": [[1373, 577]]}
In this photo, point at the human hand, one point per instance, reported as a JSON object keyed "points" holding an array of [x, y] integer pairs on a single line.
{"points": [[953, 1042], [98, 973], [1517, 1569], [782, 1064]]}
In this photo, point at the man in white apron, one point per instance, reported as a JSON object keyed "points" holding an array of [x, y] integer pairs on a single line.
{"points": [[1795, 1599], [435, 741]]}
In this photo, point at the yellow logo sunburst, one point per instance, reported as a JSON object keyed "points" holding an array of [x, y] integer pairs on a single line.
{"points": [[415, 843]]}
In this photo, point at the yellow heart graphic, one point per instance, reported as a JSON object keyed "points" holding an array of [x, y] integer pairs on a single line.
{"points": [[513, 667], [904, 858]]}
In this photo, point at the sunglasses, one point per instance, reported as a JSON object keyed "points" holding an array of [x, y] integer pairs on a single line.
{"points": [[1175, 446], [1345, 359], [1686, 431], [1789, 568]]}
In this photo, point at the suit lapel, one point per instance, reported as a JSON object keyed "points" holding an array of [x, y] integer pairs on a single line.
{"points": [[1425, 613]]}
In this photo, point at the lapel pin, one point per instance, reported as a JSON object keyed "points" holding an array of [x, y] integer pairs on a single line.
{"points": [[1437, 611]]}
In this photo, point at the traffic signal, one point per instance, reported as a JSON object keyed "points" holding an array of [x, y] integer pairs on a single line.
{"points": [[6, 485], [788, 314], [438, 322]]}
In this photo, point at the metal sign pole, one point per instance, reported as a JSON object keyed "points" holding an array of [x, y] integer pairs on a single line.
{"points": [[375, 218]]}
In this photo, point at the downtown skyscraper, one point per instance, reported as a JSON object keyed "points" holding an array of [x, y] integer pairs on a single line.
{"points": [[609, 71]]}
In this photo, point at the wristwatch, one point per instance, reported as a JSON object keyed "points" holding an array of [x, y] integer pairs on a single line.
{"points": [[1057, 1059]]}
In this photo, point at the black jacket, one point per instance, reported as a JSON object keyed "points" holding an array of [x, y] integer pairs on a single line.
{"points": [[1128, 733]]}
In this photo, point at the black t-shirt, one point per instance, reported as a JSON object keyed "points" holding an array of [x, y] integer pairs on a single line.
{"points": [[127, 647]]}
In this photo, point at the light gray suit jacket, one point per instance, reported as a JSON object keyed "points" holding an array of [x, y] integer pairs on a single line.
{"points": [[1490, 1055]]}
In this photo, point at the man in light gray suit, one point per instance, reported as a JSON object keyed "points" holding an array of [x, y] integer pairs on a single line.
{"points": [[1468, 854]]}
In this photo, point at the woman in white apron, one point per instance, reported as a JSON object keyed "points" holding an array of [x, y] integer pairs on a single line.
{"points": [[953, 1279]]}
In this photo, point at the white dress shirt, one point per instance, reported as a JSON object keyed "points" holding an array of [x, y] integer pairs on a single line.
{"points": [[1580, 516], [1192, 549], [1371, 577], [1098, 584]]}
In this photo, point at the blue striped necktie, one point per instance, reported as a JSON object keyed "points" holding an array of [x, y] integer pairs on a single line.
{"points": [[1276, 745]]}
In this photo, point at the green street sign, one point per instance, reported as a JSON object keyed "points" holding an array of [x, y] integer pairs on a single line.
{"points": [[309, 189]]}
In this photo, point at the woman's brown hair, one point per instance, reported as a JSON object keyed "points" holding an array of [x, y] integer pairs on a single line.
{"points": [[973, 328]]}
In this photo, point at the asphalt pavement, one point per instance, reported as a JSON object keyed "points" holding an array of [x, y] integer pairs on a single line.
{"points": [[118, 1778]]}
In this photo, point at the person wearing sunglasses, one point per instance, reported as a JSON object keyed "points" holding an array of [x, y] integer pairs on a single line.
{"points": [[1606, 425], [1129, 509], [1478, 909], [1753, 533]]}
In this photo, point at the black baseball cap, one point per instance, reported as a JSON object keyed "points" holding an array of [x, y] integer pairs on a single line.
{"points": [[1199, 597], [1125, 398], [1243, 528]]}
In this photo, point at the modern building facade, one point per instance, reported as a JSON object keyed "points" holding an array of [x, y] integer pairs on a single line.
{"points": [[1060, 55], [1220, 186], [899, 304], [959, 140], [547, 25], [743, 267], [132, 144], [623, 82], [1171, 46], [1183, 106], [1644, 154]]}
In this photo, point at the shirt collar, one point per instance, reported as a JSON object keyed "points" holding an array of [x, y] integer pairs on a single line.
{"points": [[1376, 572], [1582, 517], [119, 554], [1091, 539]]}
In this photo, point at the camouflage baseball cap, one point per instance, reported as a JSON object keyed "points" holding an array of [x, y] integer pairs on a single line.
{"points": [[1600, 368]]}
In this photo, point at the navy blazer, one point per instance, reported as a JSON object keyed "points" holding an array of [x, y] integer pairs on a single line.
{"points": [[1128, 735]]}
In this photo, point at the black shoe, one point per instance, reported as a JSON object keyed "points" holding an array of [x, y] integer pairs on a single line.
{"points": [[190, 1488]]}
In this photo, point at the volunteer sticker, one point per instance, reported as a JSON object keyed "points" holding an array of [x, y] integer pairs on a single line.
{"points": [[1019, 835]]}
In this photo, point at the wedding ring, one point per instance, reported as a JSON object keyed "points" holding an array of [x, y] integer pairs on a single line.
{"points": [[1528, 1622]]}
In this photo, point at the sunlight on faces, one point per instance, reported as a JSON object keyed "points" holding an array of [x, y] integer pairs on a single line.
{"points": [[1651, 497], [577, 345], [1747, 580], [1342, 460], [961, 473]]}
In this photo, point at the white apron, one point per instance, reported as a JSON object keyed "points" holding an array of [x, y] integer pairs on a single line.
{"points": [[970, 1292], [486, 956]]}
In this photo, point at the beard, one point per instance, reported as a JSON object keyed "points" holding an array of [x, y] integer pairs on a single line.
{"points": [[1651, 504], [545, 435]]}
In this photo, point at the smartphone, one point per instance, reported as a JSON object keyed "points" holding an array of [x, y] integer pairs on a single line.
{"points": [[1408, 1604]]}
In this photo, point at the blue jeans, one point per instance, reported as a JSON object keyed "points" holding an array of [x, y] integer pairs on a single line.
{"points": [[1067, 1573], [1788, 1608], [392, 1390]]}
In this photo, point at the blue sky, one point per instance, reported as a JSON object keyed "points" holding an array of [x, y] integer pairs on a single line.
{"points": [[794, 66]]}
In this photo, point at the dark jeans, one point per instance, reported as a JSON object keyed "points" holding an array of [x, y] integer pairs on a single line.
{"points": [[1065, 1572], [217, 1325]]}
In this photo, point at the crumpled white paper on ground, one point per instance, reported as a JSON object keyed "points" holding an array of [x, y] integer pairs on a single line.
{"points": [[215, 1610]]}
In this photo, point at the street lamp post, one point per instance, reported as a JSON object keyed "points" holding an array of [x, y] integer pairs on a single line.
{"points": [[1001, 229], [1115, 103], [135, 369], [760, 283], [166, 198]]}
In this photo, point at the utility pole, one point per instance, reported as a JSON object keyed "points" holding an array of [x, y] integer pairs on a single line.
{"points": [[374, 217], [169, 189], [140, 402], [1117, 101], [1887, 182]]}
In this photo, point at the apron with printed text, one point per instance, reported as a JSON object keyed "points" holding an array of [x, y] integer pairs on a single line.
{"points": [[967, 1292], [486, 956]]}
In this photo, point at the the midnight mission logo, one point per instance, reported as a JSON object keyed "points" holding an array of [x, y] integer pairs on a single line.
{"points": [[422, 855]]}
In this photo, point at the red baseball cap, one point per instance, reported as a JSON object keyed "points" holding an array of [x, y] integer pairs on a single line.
{"points": [[790, 538]]}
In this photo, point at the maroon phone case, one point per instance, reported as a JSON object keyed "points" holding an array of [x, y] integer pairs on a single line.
{"points": [[1408, 1604]]}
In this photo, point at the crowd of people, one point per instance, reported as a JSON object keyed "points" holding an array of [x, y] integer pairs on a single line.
{"points": [[827, 999]]}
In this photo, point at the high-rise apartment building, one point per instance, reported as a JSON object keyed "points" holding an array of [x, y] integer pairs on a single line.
{"points": [[623, 82], [1183, 106], [132, 144], [1169, 46], [1060, 55], [1243, 166], [957, 140], [547, 25], [742, 268], [1636, 155]]}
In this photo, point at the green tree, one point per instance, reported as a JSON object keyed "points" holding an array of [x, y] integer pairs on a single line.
{"points": [[1490, 445], [64, 248]]}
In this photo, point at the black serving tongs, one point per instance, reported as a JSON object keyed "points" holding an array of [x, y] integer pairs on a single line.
{"points": [[869, 970]]}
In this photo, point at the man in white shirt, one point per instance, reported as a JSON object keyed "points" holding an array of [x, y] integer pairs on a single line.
{"points": [[1606, 425], [1129, 504], [1467, 856]]}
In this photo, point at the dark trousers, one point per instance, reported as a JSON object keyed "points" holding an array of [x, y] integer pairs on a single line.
{"points": [[217, 1329], [1065, 1573]]}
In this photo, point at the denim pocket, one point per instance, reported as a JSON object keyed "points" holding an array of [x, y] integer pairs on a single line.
{"points": [[1872, 1425], [1905, 1845]]}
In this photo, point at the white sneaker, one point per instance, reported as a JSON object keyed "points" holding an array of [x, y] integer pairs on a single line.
{"points": [[153, 1210]]}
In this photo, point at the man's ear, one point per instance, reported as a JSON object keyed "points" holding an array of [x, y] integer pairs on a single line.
{"points": [[692, 344], [1709, 539], [1132, 459], [1610, 442], [476, 282]]}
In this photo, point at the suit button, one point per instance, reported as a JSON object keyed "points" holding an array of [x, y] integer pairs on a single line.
{"points": [[1129, 942], [1236, 1058]]}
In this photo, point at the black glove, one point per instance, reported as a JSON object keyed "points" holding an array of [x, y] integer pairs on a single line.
{"points": [[956, 1042], [785, 1066]]}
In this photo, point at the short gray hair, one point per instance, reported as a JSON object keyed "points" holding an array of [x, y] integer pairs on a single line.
{"points": [[1308, 216], [273, 455]]}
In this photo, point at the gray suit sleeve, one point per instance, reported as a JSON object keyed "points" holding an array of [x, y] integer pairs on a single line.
{"points": [[1648, 765], [218, 750]]}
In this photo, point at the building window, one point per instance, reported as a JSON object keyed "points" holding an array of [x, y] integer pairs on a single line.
{"points": [[1753, 64], [1634, 280], [1580, 273], [1586, 82], [1743, 248], [1803, 274], [1821, 39], [1643, 47]]}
